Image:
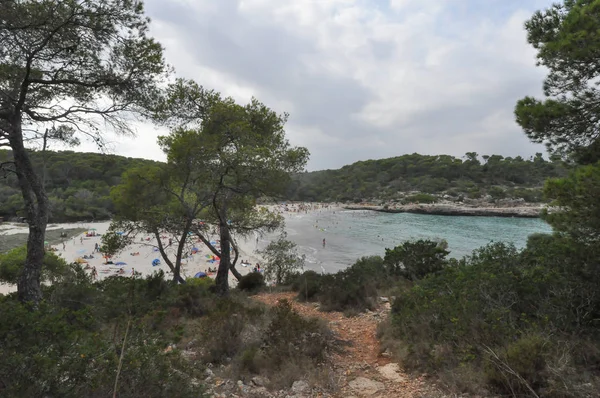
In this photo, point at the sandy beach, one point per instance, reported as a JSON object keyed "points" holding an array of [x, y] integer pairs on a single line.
{"points": [[138, 256]]}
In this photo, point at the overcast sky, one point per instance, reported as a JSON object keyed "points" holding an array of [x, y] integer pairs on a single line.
{"points": [[361, 79]]}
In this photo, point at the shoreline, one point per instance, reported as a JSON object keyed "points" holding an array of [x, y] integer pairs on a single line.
{"points": [[454, 210], [136, 257]]}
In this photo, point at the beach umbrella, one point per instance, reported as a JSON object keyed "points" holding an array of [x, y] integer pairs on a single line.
{"points": [[81, 261], [120, 263], [200, 275], [120, 233], [155, 262]]}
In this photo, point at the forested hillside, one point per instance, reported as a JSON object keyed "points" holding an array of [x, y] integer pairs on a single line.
{"points": [[472, 177], [78, 184]]}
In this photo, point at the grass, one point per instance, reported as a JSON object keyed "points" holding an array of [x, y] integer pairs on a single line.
{"points": [[9, 242]]}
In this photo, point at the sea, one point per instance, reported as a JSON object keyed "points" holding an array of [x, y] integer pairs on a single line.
{"points": [[351, 234]]}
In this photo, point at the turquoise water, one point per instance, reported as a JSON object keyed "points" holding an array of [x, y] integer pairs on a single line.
{"points": [[351, 234]]}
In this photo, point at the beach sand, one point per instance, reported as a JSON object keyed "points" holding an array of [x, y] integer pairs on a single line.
{"points": [[83, 245]]}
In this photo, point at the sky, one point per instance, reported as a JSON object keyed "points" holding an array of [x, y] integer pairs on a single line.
{"points": [[361, 79]]}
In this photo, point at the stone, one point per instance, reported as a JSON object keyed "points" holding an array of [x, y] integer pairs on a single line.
{"points": [[208, 373], [391, 371], [300, 387], [191, 344], [365, 386], [384, 299], [259, 381]]}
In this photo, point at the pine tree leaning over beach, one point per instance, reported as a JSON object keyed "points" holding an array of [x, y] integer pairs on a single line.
{"points": [[240, 154], [69, 66]]}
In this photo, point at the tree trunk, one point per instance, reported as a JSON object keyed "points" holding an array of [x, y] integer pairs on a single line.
{"points": [[234, 271], [36, 208], [222, 280], [163, 253]]}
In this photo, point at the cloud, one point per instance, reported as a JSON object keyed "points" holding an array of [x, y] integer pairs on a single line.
{"points": [[362, 78]]}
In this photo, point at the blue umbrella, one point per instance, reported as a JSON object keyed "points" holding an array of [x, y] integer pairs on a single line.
{"points": [[155, 262], [120, 233], [200, 275], [120, 263]]}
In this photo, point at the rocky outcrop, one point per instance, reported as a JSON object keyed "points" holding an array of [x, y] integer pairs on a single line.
{"points": [[455, 210]]}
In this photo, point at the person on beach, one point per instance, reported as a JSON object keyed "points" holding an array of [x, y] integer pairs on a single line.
{"points": [[94, 273], [324, 243], [81, 240], [64, 246]]}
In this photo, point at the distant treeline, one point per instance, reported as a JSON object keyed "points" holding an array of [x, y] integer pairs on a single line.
{"points": [[78, 184], [471, 177]]}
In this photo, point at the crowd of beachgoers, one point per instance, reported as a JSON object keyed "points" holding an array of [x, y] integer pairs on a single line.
{"points": [[142, 257]]}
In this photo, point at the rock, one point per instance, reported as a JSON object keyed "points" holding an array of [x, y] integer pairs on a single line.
{"points": [[208, 373], [191, 344], [260, 392], [391, 371], [300, 387], [365, 386], [260, 381], [384, 299]]}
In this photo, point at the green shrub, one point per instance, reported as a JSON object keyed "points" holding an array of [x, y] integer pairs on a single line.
{"points": [[487, 311], [308, 285], [11, 264], [64, 353], [520, 366], [355, 288], [415, 260], [252, 282]]}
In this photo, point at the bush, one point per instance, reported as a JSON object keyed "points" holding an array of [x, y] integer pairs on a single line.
{"points": [[308, 285], [281, 259], [55, 351], [11, 264], [415, 260], [355, 288], [486, 312], [252, 282]]}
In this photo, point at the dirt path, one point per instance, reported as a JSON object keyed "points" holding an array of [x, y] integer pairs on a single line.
{"points": [[363, 371]]}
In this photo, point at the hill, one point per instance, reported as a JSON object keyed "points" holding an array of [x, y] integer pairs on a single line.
{"points": [[78, 184], [392, 178]]}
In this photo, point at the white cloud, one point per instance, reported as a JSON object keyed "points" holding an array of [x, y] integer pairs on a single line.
{"points": [[363, 78]]}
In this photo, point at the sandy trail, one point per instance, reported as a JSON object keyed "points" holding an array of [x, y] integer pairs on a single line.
{"points": [[362, 358]]}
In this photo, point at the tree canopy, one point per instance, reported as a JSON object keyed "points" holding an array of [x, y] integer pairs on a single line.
{"points": [[472, 177], [238, 152], [67, 67], [566, 39]]}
